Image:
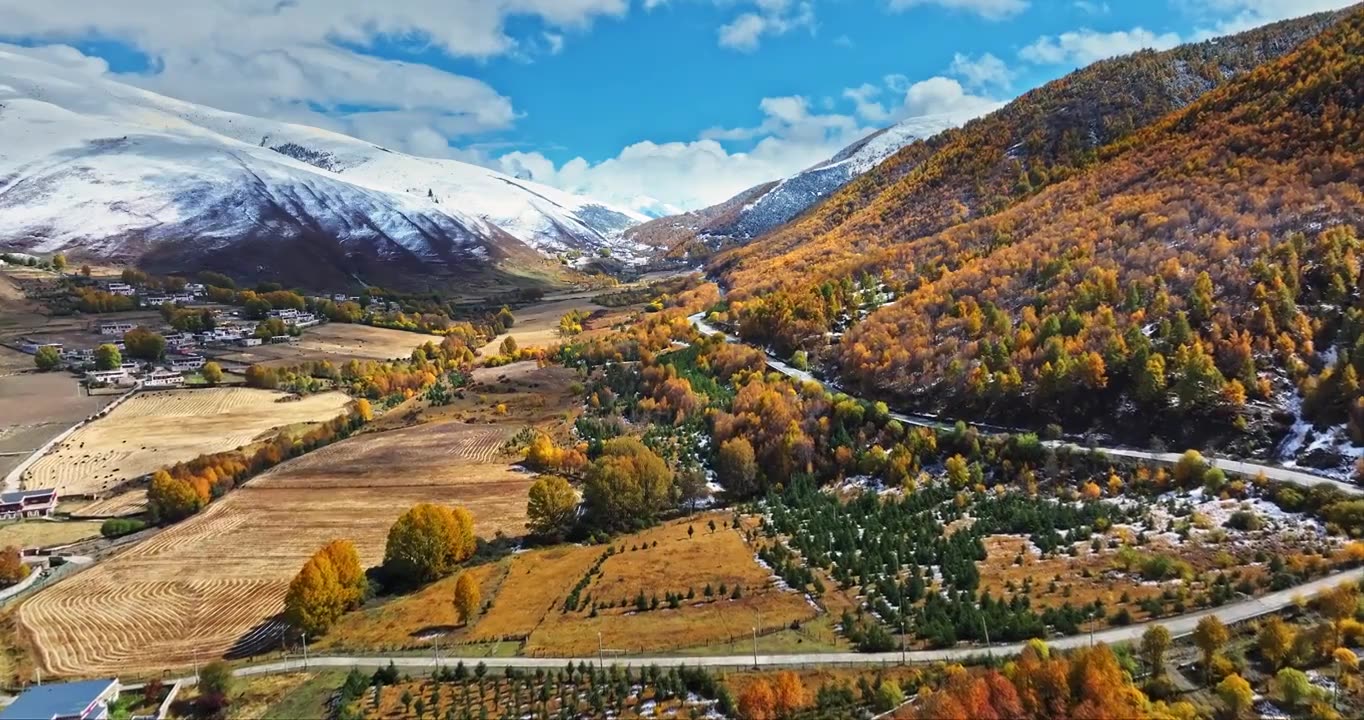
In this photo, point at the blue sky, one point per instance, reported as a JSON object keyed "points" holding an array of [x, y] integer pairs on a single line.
{"points": [[655, 104]]}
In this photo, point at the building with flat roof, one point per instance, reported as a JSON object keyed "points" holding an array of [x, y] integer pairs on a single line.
{"points": [[83, 700]]}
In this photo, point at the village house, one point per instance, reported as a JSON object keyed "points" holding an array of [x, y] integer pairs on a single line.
{"points": [[195, 289], [250, 342], [111, 377], [185, 363], [115, 328], [82, 700], [284, 314], [33, 346], [28, 503], [163, 378], [119, 288]]}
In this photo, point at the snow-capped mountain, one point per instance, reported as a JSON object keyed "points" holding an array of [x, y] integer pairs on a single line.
{"points": [[760, 209], [102, 169]]}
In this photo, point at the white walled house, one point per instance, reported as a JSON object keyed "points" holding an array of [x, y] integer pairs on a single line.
{"points": [[185, 363], [115, 328], [163, 378]]}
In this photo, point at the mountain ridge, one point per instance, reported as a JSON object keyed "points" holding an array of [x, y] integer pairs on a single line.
{"points": [[105, 170]]}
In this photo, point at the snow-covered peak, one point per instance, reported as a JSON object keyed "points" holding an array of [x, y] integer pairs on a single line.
{"points": [[88, 163]]}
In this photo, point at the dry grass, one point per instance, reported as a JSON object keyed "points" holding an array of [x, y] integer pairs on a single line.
{"points": [[155, 429], [337, 342], [538, 325], [530, 602], [520, 393], [535, 586], [45, 533], [259, 696], [411, 621], [214, 583]]}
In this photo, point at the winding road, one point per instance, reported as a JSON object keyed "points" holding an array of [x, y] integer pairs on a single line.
{"points": [[1178, 626], [1236, 467]]}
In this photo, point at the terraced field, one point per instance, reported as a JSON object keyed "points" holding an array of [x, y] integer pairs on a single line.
{"points": [[212, 584], [155, 429]]}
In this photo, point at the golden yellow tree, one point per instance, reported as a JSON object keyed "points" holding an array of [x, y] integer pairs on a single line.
{"points": [[552, 507], [467, 597], [427, 542], [313, 602]]}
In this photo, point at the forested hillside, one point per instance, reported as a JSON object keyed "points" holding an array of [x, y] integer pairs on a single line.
{"points": [[1044, 137], [1187, 273]]}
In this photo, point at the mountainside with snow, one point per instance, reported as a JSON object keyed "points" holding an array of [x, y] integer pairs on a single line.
{"points": [[760, 209], [104, 170]]}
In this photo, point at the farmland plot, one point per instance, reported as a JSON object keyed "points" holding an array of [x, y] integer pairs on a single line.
{"points": [[531, 603], [155, 429], [36, 407], [212, 584]]}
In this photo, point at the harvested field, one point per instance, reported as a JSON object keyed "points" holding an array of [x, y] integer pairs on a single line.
{"points": [[213, 583], [124, 504], [337, 342], [45, 533], [36, 407], [530, 602], [155, 429]]}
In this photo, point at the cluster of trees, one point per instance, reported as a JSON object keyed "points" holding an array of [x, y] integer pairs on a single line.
{"points": [[183, 489], [188, 319], [889, 549], [372, 379], [144, 344], [1040, 308], [651, 333], [329, 583], [47, 358], [94, 300], [427, 543], [627, 486], [12, 567], [1089, 682], [572, 691]]}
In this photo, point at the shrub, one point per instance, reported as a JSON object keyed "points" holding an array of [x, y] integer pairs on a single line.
{"points": [[118, 527]]}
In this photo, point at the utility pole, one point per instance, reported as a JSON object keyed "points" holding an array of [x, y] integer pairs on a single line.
{"points": [[305, 651], [986, 628], [601, 654], [755, 647]]}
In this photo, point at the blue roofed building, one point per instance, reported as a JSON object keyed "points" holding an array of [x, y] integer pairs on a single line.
{"points": [[84, 700]]}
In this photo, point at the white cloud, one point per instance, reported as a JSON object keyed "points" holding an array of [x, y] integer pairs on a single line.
{"points": [[1084, 46], [980, 72], [1092, 8], [864, 101], [938, 95], [771, 17], [988, 9], [1233, 16], [286, 59], [791, 137]]}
